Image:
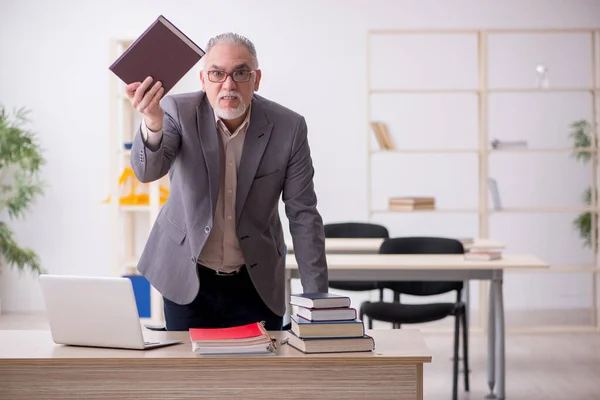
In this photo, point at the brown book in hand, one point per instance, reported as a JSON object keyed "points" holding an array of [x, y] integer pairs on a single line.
{"points": [[162, 52]]}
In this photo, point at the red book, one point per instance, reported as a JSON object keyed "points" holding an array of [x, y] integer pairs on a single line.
{"points": [[249, 331]]}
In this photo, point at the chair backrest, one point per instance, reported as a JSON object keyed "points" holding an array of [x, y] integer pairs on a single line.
{"points": [[355, 230], [423, 245]]}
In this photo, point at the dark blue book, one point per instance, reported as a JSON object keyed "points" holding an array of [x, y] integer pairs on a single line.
{"points": [[327, 314], [319, 300], [326, 329]]}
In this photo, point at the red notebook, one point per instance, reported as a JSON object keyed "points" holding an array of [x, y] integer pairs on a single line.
{"points": [[241, 332], [243, 339]]}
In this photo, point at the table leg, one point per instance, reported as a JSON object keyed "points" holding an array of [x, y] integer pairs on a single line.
{"points": [[500, 342], [491, 366], [467, 301], [288, 292]]}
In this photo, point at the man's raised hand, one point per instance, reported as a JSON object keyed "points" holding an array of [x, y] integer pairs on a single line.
{"points": [[147, 103]]}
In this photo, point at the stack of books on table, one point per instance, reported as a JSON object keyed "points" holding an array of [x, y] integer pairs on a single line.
{"points": [[325, 323], [479, 253], [483, 255], [251, 339]]}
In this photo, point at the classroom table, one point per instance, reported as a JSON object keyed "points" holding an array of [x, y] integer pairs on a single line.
{"points": [[33, 367], [437, 267], [371, 245]]}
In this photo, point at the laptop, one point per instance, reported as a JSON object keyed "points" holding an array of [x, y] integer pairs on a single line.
{"points": [[95, 312]]}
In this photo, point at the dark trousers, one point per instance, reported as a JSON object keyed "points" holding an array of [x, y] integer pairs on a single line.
{"points": [[222, 301]]}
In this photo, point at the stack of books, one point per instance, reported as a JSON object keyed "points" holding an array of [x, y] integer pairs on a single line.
{"points": [[238, 340], [483, 255], [411, 203], [325, 323], [481, 252]]}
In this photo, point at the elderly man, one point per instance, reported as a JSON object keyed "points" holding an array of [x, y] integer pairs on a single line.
{"points": [[216, 251]]}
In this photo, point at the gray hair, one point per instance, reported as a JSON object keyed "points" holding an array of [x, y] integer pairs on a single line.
{"points": [[236, 39]]}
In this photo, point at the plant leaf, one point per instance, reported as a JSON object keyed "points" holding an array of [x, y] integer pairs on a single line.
{"points": [[21, 162]]}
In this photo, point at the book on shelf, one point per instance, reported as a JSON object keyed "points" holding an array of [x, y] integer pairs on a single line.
{"points": [[331, 344], [249, 339], [483, 255], [326, 329], [494, 193], [411, 200], [411, 203], [162, 51], [382, 135], [319, 300]]}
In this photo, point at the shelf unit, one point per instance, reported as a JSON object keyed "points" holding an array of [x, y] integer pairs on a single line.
{"points": [[129, 223], [483, 150]]}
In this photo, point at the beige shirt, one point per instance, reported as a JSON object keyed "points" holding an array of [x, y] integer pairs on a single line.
{"points": [[222, 250]]}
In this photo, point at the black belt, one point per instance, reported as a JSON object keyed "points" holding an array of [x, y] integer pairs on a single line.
{"points": [[222, 273]]}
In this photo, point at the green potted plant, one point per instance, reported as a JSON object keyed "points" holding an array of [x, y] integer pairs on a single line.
{"points": [[20, 183], [581, 135]]}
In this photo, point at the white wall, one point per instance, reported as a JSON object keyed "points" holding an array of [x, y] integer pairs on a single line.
{"points": [[54, 60]]}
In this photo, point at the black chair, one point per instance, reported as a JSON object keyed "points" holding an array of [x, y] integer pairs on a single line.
{"points": [[398, 313], [356, 230]]}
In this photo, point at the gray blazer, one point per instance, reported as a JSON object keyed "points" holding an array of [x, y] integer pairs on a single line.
{"points": [[275, 162]]}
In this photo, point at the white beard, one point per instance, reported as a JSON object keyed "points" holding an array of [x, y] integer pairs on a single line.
{"points": [[230, 113]]}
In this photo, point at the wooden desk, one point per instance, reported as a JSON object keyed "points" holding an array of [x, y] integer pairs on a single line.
{"points": [[33, 367], [446, 267], [371, 246]]}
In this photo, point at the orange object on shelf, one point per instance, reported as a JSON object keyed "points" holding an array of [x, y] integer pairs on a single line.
{"points": [[129, 182]]}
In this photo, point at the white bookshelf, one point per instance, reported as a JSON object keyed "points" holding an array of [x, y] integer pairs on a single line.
{"points": [[493, 63], [130, 223]]}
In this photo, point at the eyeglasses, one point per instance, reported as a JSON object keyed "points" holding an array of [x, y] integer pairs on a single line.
{"points": [[240, 76]]}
